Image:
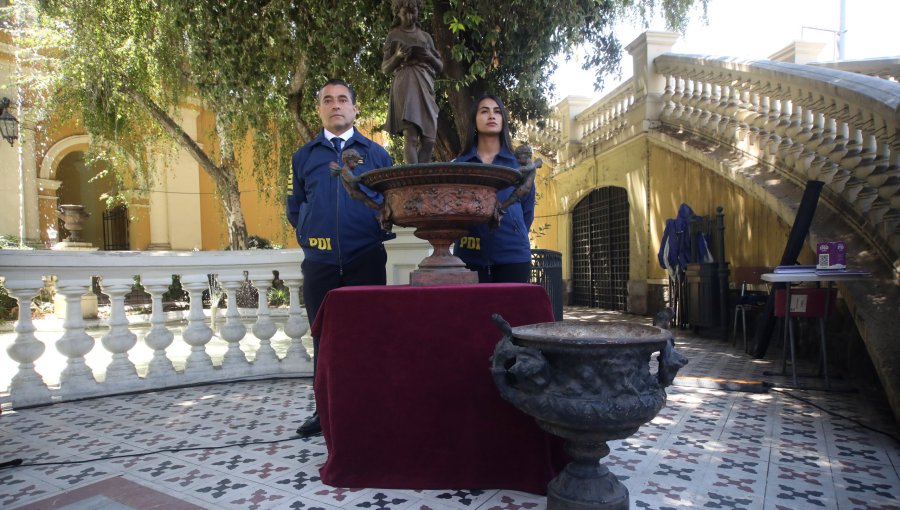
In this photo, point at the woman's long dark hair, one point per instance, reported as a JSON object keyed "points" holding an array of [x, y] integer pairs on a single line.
{"points": [[472, 134]]}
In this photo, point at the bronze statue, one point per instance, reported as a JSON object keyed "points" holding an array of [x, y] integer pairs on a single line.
{"points": [[409, 54], [350, 181], [527, 171]]}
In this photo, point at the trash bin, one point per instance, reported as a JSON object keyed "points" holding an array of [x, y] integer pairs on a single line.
{"points": [[546, 271]]}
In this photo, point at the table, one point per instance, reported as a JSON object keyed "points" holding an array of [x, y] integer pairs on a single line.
{"points": [[791, 278], [405, 395]]}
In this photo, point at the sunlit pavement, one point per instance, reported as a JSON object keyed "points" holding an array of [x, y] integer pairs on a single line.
{"points": [[233, 446]]}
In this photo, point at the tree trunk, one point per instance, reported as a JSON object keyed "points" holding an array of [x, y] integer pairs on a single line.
{"points": [[295, 98], [224, 176], [460, 100], [234, 215]]}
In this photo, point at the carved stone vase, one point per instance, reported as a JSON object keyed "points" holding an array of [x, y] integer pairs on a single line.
{"points": [[73, 217], [442, 201], [588, 383]]}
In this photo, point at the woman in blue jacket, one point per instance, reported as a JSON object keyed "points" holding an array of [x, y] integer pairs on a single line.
{"points": [[502, 254]]}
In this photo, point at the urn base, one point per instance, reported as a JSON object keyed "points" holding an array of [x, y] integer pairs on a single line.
{"points": [[423, 277], [586, 487]]}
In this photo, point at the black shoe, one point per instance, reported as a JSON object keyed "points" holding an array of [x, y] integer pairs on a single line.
{"points": [[311, 427]]}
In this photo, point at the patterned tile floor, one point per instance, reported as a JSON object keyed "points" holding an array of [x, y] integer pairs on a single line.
{"points": [[709, 448]]}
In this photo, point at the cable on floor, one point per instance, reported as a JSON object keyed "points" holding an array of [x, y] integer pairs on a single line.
{"points": [[837, 415]]}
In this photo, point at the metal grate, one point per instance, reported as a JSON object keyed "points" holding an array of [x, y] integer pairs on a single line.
{"points": [[600, 249], [115, 228]]}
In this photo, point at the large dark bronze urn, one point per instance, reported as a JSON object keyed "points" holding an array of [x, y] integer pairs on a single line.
{"points": [[588, 383]]}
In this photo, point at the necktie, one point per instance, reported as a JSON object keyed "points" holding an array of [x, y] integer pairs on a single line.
{"points": [[336, 141]]}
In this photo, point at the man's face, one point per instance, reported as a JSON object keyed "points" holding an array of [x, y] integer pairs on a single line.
{"points": [[336, 108]]}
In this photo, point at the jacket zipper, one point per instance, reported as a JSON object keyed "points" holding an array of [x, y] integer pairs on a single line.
{"points": [[337, 217]]}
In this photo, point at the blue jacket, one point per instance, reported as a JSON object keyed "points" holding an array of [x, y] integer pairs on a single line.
{"points": [[333, 228], [508, 243]]}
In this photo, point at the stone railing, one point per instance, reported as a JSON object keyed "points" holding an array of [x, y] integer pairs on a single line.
{"points": [[810, 122], [25, 273], [606, 118], [887, 68]]}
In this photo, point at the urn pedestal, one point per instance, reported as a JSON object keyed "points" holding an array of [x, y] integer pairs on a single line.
{"points": [[588, 383]]}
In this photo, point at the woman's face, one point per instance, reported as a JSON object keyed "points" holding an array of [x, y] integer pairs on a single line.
{"points": [[408, 16], [488, 117]]}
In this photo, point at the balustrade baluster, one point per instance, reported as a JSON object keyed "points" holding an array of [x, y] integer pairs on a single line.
{"points": [[819, 132], [197, 334], [27, 386], [297, 359], [805, 132], [839, 149], [883, 170], [667, 98], [266, 361], [159, 337], [681, 95], [76, 379], [233, 331], [840, 180], [120, 373]]}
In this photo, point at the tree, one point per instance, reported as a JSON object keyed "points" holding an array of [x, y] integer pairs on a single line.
{"points": [[123, 67], [510, 49]]}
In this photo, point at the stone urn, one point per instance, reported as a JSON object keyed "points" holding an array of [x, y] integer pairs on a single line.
{"points": [[73, 217], [587, 383], [442, 201]]}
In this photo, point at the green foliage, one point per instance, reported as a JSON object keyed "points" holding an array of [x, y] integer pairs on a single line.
{"points": [[257, 64], [510, 50], [8, 242], [8, 305]]}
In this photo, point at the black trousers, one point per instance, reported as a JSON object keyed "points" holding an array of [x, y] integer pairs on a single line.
{"points": [[503, 273], [368, 268]]}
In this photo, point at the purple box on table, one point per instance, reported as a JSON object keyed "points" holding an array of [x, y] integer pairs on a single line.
{"points": [[831, 255]]}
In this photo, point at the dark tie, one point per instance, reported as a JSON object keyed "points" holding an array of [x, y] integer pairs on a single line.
{"points": [[336, 141]]}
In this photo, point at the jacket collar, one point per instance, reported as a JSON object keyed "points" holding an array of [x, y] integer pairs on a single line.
{"points": [[503, 158], [356, 138]]}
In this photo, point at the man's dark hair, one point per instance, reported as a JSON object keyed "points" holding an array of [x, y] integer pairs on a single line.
{"points": [[337, 81]]}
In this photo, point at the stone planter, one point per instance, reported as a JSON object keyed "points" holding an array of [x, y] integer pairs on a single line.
{"points": [[73, 217]]}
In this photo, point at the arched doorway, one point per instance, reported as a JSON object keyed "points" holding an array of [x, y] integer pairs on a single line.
{"points": [[86, 185], [600, 249]]}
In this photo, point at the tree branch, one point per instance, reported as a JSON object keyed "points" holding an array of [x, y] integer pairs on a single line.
{"points": [[176, 132], [295, 97]]}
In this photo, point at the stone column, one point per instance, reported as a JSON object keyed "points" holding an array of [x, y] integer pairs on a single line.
{"points": [[30, 190], [159, 212], [47, 203], [649, 86]]}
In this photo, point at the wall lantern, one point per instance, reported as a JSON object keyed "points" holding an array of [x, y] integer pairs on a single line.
{"points": [[9, 125]]}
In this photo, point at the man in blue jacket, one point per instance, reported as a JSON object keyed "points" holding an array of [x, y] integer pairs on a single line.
{"points": [[341, 237]]}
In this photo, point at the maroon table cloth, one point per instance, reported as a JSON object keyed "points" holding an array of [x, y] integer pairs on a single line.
{"points": [[405, 396]]}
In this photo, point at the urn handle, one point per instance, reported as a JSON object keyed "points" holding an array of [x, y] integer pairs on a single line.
{"points": [[670, 361], [515, 368]]}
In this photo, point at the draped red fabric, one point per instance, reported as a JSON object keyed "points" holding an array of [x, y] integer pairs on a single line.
{"points": [[405, 395]]}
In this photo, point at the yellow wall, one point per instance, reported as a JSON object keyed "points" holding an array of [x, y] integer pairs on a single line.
{"points": [[264, 215], [754, 235]]}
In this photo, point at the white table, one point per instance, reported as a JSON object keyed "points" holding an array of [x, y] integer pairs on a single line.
{"points": [[808, 277]]}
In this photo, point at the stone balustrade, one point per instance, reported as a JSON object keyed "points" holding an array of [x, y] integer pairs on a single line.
{"points": [[886, 68], [25, 272], [603, 120], [809, 122], [806, 121]]}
